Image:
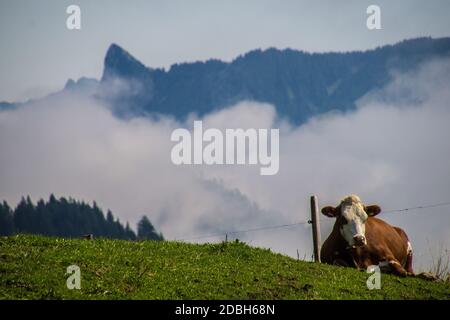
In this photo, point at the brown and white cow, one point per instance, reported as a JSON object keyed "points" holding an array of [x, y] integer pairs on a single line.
{"points": [[359, 240]]}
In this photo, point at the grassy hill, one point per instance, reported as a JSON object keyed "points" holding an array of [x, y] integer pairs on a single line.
{"points": [[34, 267]]}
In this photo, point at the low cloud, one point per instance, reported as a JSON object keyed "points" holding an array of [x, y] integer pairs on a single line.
{"points": [[393, 150]]}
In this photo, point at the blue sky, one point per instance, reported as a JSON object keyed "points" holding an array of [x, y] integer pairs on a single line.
{"points": [[39, 54]]}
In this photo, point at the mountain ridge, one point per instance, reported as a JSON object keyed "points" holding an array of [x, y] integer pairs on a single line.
{"points": [[299, 84]]}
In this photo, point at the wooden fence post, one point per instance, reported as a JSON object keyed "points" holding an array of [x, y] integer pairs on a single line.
{"points": [[315, 227]]}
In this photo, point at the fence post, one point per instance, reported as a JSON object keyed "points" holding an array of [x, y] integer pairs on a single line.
{"points": [[315, 227]]}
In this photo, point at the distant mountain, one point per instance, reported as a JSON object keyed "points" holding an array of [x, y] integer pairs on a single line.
{"points": [[297, 83], [6, 105], [83, 85]]}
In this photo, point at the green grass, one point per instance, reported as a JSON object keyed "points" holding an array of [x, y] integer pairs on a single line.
{"points": [[34, 267]]}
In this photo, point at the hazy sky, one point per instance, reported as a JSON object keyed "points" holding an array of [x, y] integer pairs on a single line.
{"points": [[38, 53]]}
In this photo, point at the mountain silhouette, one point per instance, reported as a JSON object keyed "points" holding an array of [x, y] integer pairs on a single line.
{"points": [[299, 84]]}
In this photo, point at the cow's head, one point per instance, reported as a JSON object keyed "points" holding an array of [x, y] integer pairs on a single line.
{"points": [[351, 215]]}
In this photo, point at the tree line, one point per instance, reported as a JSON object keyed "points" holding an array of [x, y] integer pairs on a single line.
{"points": [[69, 218]]}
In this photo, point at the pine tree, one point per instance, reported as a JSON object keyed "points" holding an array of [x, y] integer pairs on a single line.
{"points": [[146, 231], [6, 220], [23, 216], [130, 235]]}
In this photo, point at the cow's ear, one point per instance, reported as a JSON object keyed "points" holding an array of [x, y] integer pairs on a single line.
{"points": [[372, 210], [329, 211]]}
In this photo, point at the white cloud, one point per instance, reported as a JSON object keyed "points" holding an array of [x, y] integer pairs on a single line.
{"points": [[393, 151]]}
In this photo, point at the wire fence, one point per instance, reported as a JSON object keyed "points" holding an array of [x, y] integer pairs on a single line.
{"points": [[234, 232]]}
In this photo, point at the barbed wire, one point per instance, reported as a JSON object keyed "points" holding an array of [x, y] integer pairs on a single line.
{"points": [[222, 234], [244, 231], [442, 204]]}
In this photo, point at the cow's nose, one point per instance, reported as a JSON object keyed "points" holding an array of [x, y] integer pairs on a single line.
{"points": [[359, 240]]}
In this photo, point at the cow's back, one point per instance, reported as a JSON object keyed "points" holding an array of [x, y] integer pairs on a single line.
{"points": [[384, 239]]}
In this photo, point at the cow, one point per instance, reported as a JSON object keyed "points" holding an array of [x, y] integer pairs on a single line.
{"points": [[360, 240]]}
